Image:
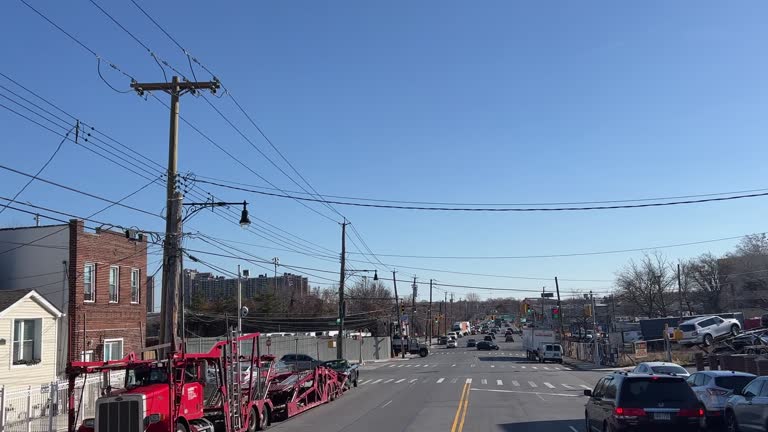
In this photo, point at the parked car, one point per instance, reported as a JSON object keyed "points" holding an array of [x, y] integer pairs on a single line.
{"points": [[471, 343], [747, 410], [626, 401], [451, 343], [704, 330], [713, 388], [342, 366], [487, 346], [661, 368], [509, 338], [300, 362]]}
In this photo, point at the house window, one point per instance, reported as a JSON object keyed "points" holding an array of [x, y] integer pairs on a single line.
{"points": [[113, 349], [135, 285], [89, 282], [26, 341], [86, 356], [114, 284]]}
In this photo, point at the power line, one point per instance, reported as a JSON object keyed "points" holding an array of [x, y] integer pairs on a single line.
{"points": [[32, 178], [491, 209]]}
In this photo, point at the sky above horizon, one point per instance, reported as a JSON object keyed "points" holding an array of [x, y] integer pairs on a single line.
{"points": [[499, 102]]}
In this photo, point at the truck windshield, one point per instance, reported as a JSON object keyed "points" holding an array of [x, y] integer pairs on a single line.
{"points": [[145, 376]]}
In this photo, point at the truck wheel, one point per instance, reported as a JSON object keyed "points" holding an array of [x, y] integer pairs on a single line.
{"points": [[423, 352], [180, 427], [259, 423]]}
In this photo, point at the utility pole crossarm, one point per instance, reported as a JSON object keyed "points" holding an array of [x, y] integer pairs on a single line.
{"points": [[179, 86]]}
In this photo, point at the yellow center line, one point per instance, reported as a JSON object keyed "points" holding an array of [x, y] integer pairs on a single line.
{"points": [[464, 414], [464, 392]]}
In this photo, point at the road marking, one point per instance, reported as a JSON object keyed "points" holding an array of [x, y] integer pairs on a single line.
{"points": [[469, 381], [573, 429], [484, 381], [377, 381], [389, 381], [365, 382], [515, 383], [522, 367], [413, 380], [408, 365], [547, 368], [400, 380], [392, 365], [568, 387], [532, 384], [499, 382], [473, 365], [586, 387], [524, 392], [549, 385], [453, 365], [453, 381], [462, 403], [386, 404], [400, 365], [534, 367], [440, 380], [493, 366]]}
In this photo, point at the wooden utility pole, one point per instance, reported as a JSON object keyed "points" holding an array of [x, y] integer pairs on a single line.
{"points": [[171, 292], [342, 276], [397, 311], [429, 313], [559, 310], [680, 290]]}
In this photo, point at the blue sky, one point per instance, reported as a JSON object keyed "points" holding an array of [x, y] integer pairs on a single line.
{"points": [[435, 101]]}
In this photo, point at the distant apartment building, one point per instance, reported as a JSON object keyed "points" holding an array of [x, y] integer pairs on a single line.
{"points": [[94, 277], [211, 287]]}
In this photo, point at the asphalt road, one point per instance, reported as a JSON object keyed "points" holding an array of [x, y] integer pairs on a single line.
{"points": [[456, 390]]}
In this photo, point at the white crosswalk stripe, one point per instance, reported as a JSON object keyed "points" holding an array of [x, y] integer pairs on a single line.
{"points": [[365, 382], [532, 384], [400, 365], [493, 366], [547, 368], [408, 365], [400, 380], [473, 365], [392, 365], [534, 367], [522, 367], [515, 383], [499, 382], [413, 380], [469, 380], [549, 385], [440, 380], [453, 365], [568, 387], [454, 381], [377, 381], [484, 381], [586, 387], [389, 381]]}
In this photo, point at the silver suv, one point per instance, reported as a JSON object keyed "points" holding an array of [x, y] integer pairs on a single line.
{"points": [[704, 330]]}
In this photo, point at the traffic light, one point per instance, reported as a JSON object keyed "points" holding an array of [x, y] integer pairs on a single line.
{"points": [[555, 312], [402, 309]]}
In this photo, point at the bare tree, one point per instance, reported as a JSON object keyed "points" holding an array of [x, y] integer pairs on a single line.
{"points": [[752, 244], [647, 284], [373, 299], [708, 281]]}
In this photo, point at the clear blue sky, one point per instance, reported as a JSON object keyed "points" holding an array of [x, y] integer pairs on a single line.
{"points": [[432, 101]]}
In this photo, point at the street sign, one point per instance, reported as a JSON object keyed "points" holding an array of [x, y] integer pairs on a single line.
{"points": [[269, 341], [641, 349], [547, 295]]}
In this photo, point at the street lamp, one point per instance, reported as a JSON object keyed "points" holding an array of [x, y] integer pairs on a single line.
{"points": [[194, 207]]}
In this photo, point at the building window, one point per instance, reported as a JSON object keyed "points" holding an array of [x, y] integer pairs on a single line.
{"points": [[86, 356], [89, 283], [135, 273], [114, 284], [26, 341], [113, 349]]}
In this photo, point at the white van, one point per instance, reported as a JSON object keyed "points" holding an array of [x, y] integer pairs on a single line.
{"points": [[551, 352]]}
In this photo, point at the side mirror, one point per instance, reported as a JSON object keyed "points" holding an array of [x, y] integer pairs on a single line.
{"points": [[588, 393], [737, 392]]}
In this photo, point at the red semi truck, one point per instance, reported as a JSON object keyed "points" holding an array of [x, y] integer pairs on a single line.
{"points": [[221, 390]]}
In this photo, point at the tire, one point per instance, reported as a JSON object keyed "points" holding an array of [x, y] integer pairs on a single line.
{"points": [[734, 330], [607, 427], [587, 427], [423, 352], [180, 427], [708, 339], [731, 424], [356, 378]]}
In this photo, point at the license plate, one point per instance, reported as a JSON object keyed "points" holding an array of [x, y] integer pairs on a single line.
{"points": [[662, 416]]}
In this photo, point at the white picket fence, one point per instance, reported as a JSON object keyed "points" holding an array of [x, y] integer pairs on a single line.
{"points": [[45, 408]]}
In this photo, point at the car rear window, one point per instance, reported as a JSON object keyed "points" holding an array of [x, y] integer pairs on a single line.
{"points": [[733, 382], [557, 347], [668, 370], [649, 392], [687, 327]]}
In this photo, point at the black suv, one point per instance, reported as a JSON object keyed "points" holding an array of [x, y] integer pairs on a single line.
{"points": [[626, 401]]}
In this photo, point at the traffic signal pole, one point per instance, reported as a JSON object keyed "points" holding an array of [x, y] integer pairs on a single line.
{"points": [[399, 314], [559, 309]]}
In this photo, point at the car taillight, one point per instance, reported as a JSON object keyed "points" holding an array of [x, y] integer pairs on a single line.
{"points": [[695, 412], [717, 392], [629, 412]]}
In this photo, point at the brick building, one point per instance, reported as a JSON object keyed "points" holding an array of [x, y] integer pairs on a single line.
{"points": [[210, 287], [95, 277]]}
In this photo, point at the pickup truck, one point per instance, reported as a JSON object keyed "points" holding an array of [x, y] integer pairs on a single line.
{"points": [[352, 371]]}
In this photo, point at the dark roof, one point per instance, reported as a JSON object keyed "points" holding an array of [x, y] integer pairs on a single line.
{"points": [[9, 297]]}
